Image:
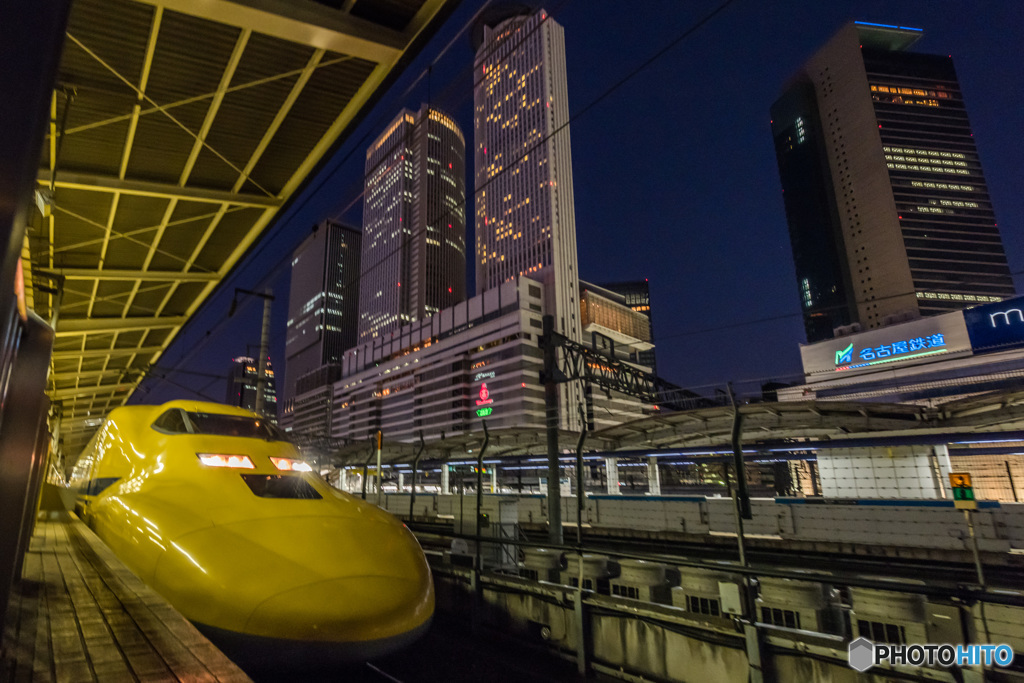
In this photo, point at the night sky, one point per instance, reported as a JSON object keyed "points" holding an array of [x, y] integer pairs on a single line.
{"points": [[674, 172]]}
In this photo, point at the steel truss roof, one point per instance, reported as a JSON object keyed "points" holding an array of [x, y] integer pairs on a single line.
{"points": [[178, 130]]}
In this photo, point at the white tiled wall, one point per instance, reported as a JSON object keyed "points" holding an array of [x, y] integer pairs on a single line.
{"points": [[896, 472]]}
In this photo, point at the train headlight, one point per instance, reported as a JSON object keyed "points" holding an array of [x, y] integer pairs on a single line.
{"points": [[241, 462], [289, 465]]}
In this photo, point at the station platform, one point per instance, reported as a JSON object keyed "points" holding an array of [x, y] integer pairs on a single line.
{"points": [[80, 615]]}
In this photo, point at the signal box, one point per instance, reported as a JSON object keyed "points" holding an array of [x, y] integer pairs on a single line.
{"points": [[963, 491]]}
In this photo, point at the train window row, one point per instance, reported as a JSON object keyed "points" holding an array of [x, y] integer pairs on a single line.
{"points": [[588, 584], [881, 632], [626, 591], [700, 605], [780, 617]]}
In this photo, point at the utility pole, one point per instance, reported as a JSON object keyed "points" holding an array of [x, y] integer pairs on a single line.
{"points": [[551, 415], [380, 475], [741, 506], [261, 378], [566, 360]]}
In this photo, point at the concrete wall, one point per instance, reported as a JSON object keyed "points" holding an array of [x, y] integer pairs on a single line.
{"points": [[906, 523]]}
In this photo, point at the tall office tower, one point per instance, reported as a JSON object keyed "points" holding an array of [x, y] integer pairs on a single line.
{"points": [[414, 222], [637, 295], [525, 216], [889, 214], [241, 389], [322, 302]]}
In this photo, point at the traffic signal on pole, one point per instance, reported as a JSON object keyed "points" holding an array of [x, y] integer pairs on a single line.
{"points": [[963, 490]]}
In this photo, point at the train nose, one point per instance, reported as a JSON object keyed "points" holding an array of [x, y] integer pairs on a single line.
{"points": [[359, 608], [311, 579]]}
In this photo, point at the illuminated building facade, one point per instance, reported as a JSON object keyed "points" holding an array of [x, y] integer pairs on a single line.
{"points": [[525, 216], [241, 389], [442, 375], [414, 222], [928, 361], [888, 210], [322, 303], [637, 296], [432, 375]]}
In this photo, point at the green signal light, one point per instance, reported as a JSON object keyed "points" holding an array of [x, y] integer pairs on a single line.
{"points": [[484, 412], [963, 493]]}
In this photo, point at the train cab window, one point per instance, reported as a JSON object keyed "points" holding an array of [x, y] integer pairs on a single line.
{"points": [[171, 422], [233, 425]]}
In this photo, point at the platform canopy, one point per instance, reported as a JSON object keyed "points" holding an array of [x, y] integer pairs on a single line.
{"points": [[179, 128], [706, 427], [976, 424], [465, 446]]}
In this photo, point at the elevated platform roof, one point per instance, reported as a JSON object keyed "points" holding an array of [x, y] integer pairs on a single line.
{"points": [[179, 128], [788, 424]]}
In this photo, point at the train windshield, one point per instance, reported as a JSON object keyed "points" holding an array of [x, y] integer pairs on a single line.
{"points": [[233, 425]]}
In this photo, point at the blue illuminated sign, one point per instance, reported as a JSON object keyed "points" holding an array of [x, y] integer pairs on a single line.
{"points": [[998, 325], [923, 340], [889, 353], [904, 28]]}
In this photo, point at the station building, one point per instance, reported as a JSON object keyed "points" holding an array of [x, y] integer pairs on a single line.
{"points": [[636, 294], [928, 362], [924, 361], [607, 316], [480, 359]]}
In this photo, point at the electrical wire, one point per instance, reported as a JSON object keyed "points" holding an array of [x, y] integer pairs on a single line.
{"points": [[800, 314], [364, 271], [286, 257], [464, 205]]}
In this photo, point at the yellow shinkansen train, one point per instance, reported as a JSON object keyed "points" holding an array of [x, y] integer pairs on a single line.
{"points": [[213, 509]]}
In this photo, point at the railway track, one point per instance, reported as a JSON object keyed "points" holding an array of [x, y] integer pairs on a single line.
{"points": [[450, 652]]}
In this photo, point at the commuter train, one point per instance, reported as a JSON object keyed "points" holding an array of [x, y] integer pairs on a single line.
{"points": [[210, 507]]}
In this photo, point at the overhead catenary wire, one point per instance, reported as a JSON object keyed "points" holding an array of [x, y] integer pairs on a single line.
{"points": [[274, 270], [799, 314], [559, 129], [544, 140]]}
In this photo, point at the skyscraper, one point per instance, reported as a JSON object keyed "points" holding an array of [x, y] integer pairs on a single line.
{"points": [[525, 217], [414, 222], [889, 214], [322, 301]]}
